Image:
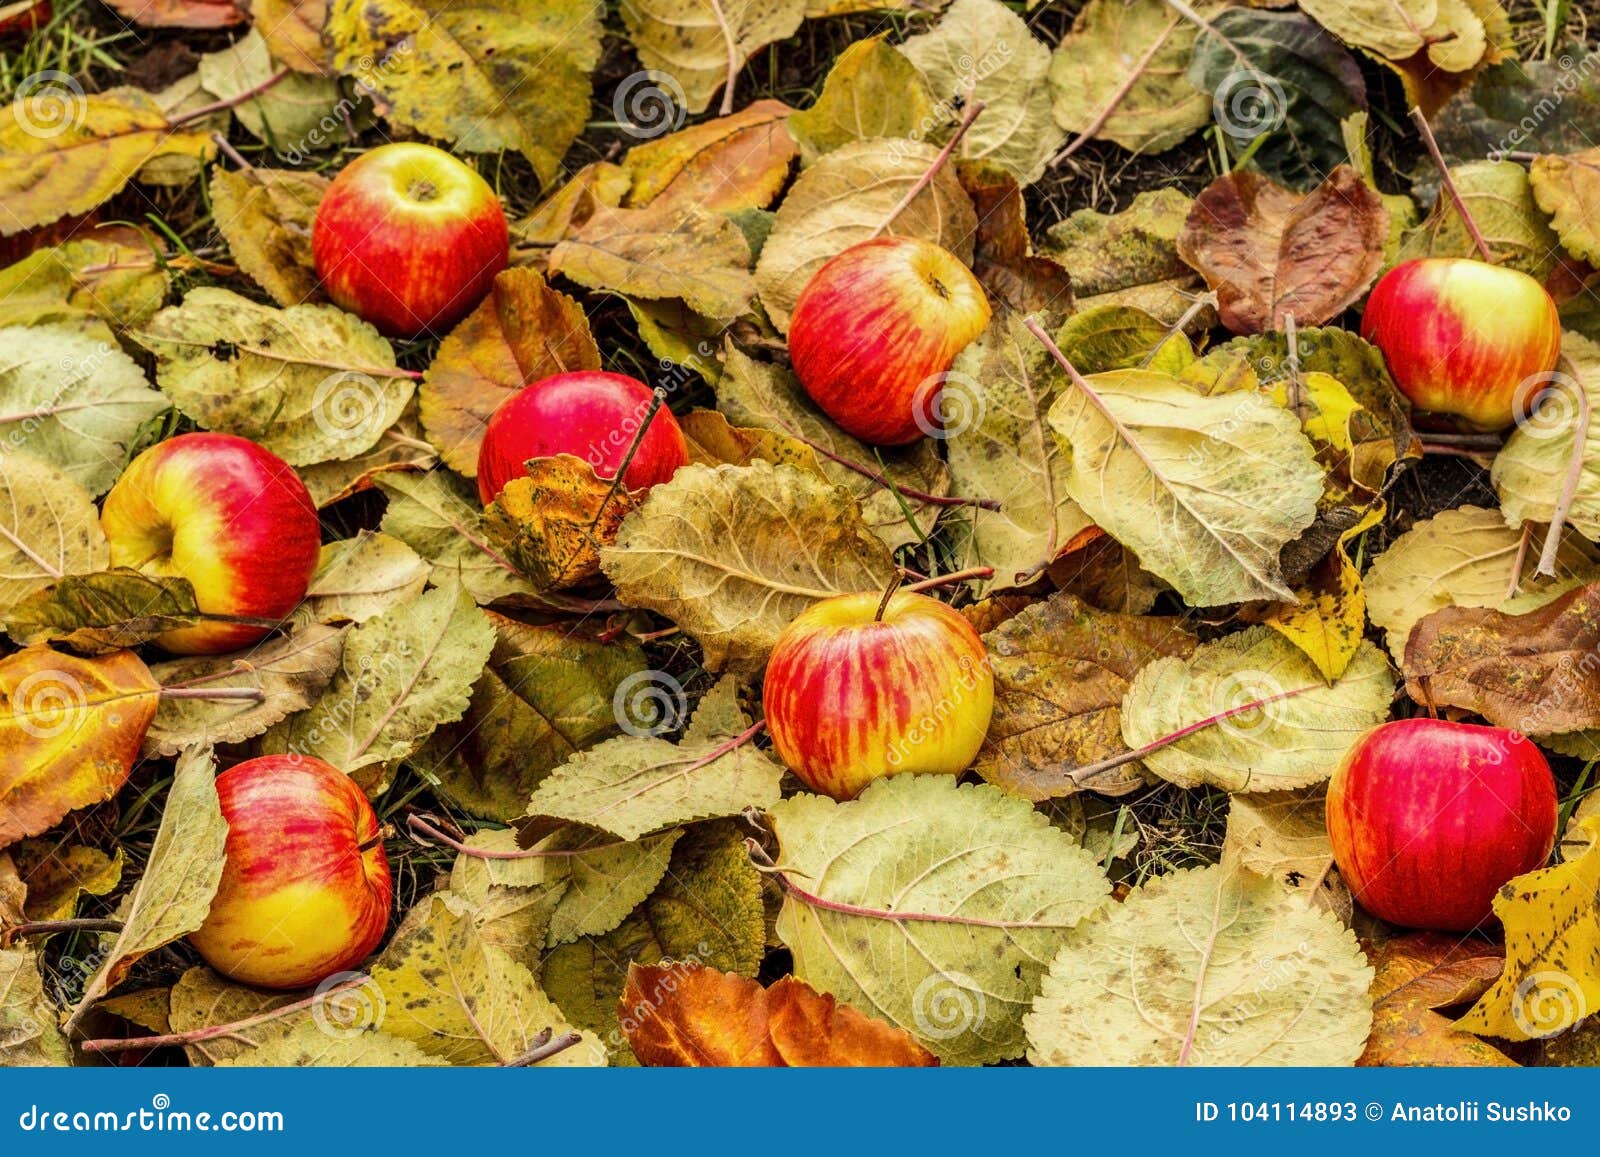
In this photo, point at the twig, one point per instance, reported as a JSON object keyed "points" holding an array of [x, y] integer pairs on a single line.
{"points": [[1449, 183], [971, 574], [51, 927], [1291, 335], [231, 153], [418, 823], [872, 475], [247, 95], [543, 1049], [1512, 155], [1118, 96], [926, 179], [1569, 488], [211, 1032], [1470, 441]]}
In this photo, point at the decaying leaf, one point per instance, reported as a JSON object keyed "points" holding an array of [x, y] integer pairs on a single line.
{"points": [[184, 13], [1501, 201], [1205, 966], [357, 578], [57, 875], [1003, 258], [1531, 470], [29, 1034], [1283, 835], [686, 1015], [1413, 977], [69, 734], [732, 554], [701, 44], [297, 107], [265, 216], [1130, 258], [1568, 188], [432, 514], [551, 524], [895, 875], [1269, 252], [724, 165], [102, 278], [106, 611], [49, 528]]}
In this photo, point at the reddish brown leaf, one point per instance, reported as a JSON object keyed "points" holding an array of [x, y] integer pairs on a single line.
{"points": [[1269, 252], [183, 13], [1416, 975], [730, 163], [1003, 257], [683, 1015], [1535, 673]]}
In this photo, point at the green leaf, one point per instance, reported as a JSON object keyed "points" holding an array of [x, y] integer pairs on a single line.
{"points": [[961, 982], [290, 110], [357, 578], [432, 514], [642, 783], [1500, 199], [871, 90], [1278, 723], [310, 383], [1206, 966]]}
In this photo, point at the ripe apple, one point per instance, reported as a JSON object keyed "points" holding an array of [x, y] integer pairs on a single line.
{"points": [[1466, 338], [1429, 818], [851, 696], [409, 238], [232, 518], [305, 886], [588, 414], [875, 330]]}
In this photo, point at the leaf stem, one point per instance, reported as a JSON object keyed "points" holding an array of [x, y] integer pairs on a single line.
{"points": [[543, 1048], [253, 694], [247, 95], [420, 823], [1569, 487], [212, 1032], [51, 927], [926, 179], [1118, 96], [1449, 183], [971, 574], [872, 475]]}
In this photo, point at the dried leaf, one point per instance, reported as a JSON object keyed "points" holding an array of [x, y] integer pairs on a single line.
{"points": [[1448, 30], [732, 554], [49, 528], [724, 165], [1269, 252], [1501, 201], [104, 278], [70, 733], [701, 44], [1531, 470], [1205, 966], [1282, 835], [296, 108], [265, 217], [182, 13], [432, 514], [1060, 672], [108, 611], [1130, 258], [28, 1031], [551, 524], [1413, 977], [1568, 188], [58, 874], [871, 90], [399, 448], [293, 29], [357, 578], [970, 929]]}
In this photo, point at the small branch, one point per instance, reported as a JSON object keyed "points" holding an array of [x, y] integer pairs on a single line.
{"points": [[543, 1048], [1118, 96], [926, 179], [1521, 559], [1449, 183], [253, 694], [51, 927], [1489, 442], [872, 475], [1449, 450], [1569, 487], [1296, 392], [419, 824], [212, 1032], [971, 574], [247, 95], [231, 153]]}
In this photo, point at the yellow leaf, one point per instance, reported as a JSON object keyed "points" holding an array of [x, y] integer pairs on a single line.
{"points": [[696, 42], [1329, 618], [732, 162], [552, 524]]}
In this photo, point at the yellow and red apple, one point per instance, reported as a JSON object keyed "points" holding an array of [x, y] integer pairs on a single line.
{"points": [[409, 238], [305, 889], [1428, 818], [851, 696], [231, 517], [876, 329], [1465, 338], [589, 414]]}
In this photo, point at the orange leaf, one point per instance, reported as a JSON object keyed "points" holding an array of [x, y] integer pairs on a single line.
{"points": [[183, 13], [683, 1015], [70, 730], [730, 163], [1415, 975], [552, 524]]}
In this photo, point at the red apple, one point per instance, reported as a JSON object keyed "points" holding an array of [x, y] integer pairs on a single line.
{"points": [[851, 697], [1429, 818], [588, 414], [1466, 338], [409, 238], [305, 886], [874, 333], [232, 518], [23, 15]]}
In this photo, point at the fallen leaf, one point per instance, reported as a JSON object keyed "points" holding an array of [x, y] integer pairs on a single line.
{"points": [[1101, 338], [701, 44], [1269, 252], [298, 107], [512, 74], [102, 279], [558, 216], [400, 448], [264, 216], [1060, 672], [895, 875], [70, 733], [1448, 30], [1552, 925], [686, 1015], [1531, 470], [180, 876], [1413, 977], [1499, 109], [1130, 258], [724, 165], [1265, 720], [1003, 259], [58, 874], [49, 528], [1328, 618], [1282, 835], [293, 30], [1205, 966], [28, 1031], [433, 515], [1105, 574], [640, 783], [1568, 188], [1501, 201], [107, 611], [732, 554], [870, 91], [551, 524], [714, 441], [357, 578], [842, 200], [182, 13]]}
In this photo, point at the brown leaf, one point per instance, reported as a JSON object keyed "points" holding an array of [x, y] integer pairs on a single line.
{"points": [[521, 332], [1269, 251], [559, 215], [1003, 257], [552, 524], [70, 731], [1061, 669], [713, 440], [1104, 573], [730, 163], [1413, 977], [56, 874], [183, 13], [683, 1015], [1534, 673]]}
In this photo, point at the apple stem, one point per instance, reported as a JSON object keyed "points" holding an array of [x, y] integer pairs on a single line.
{"points": [[971, 574], [973, 109], [212, 1032], [1449, 183], [542, 1048], [420, 824], [1569, 487], [244, 97], [1522, 557], [1117, 97], [51, 927], [253, 694], [888, 593], [915, 495]]}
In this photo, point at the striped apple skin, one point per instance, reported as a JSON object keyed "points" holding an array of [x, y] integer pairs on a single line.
{"points": [[848, 699], [1465, 338], [231, 517], [875, 327], [1429, 818], [299, 899]]}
